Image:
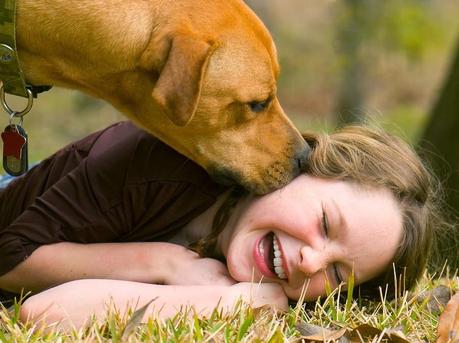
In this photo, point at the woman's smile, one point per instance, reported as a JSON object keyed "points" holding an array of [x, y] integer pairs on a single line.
{"points": [[268, 257]]}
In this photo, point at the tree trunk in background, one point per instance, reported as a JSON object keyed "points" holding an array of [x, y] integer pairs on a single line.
{"points": [[441, 140], [350, 34]]}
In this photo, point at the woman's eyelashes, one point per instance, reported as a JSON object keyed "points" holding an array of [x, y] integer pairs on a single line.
{"points": [[338, 277], [326, 229], [324, 222]]}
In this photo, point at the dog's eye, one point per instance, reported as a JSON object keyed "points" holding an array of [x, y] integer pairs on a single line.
{"points": [[259, 106]]}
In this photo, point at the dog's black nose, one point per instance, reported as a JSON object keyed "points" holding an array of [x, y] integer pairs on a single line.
{"points": [[303, 158]]}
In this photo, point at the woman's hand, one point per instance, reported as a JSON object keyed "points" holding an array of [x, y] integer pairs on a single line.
{"points": [[148, 262], [188, 268]]}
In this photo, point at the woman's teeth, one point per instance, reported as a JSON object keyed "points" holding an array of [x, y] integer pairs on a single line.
{"points": [[277, 261]]}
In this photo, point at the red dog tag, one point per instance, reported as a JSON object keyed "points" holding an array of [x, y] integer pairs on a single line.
{"points": [[12, 142], [15, 156]]}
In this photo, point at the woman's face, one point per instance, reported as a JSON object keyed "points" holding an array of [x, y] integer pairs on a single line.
{"points": [[312, 230]]}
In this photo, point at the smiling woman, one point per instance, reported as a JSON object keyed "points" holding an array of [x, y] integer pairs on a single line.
{"points": [[115, 216], [314, 229], [366, 203]]}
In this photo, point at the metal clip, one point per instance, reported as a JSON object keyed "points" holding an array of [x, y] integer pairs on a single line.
{"points": [[10, 111]]}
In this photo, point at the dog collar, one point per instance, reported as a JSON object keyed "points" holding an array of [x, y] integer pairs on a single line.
{"points": [[10, 69]]}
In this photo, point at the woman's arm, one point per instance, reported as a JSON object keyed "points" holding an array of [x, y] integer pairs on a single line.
{"points": [[71, 304], [149, 262]]}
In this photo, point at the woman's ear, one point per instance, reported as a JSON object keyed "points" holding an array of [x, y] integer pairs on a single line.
{"points": [[178, 88]]}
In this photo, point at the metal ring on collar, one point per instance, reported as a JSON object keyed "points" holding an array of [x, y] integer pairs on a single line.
{"points": [[11, 112]]}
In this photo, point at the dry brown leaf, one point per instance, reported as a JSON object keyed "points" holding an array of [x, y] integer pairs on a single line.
{"points": [[325, 336], [362, 333], [365, 332], [436, 298], [307, 329], [448, 327], [314, 333]]}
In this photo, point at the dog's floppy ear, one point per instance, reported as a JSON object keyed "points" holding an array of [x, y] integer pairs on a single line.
{"points": [[178, 88]]}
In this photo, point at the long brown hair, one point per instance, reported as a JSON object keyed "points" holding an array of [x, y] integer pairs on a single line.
{"points": [[206, 247], [372, 157]]}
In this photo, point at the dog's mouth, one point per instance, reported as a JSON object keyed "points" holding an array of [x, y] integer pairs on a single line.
{"points": [[229, 177], [224, 176], [273, 177]]}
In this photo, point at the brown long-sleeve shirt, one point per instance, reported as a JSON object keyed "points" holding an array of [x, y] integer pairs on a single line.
{"points": [[116, 185]]}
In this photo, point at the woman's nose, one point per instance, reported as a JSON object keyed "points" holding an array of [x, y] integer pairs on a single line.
{"points": [[312, 260]]}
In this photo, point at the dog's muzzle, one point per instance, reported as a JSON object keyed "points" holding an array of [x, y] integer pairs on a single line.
{"points": [[275, 176]]}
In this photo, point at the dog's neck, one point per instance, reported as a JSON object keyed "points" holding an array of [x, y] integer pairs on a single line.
{"points": [[76, 44]]}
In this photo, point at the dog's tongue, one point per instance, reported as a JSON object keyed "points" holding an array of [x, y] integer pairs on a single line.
{"points": [[269, 251]]}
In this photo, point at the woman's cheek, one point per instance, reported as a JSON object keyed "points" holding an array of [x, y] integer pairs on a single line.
{"points": [[235, 272], [239, 269]]}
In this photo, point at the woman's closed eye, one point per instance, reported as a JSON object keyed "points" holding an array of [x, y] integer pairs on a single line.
{"points": [[324, 222], [326, 229]]}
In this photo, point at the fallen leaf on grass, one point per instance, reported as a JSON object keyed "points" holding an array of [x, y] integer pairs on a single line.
{"points": [[448, 327], [362, 333], [436, 298], [135, 320], [314, 333]]}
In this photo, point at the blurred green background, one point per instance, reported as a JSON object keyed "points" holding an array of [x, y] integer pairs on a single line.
{"points": [[375, 60]]}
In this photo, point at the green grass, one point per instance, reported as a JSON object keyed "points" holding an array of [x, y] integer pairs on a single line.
{"points": [[413, 317]]}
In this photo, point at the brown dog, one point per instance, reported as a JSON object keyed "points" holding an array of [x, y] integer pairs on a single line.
{"points": [[200, 75]]}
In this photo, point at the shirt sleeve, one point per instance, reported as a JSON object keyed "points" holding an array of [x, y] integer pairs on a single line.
{"points": [[121, 185]]}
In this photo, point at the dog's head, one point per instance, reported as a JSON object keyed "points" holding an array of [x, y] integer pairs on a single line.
{"points": [[198, 74], [218, 91]]}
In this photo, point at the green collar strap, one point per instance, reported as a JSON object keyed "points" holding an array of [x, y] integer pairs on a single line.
{"points": [[10, 70]]}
